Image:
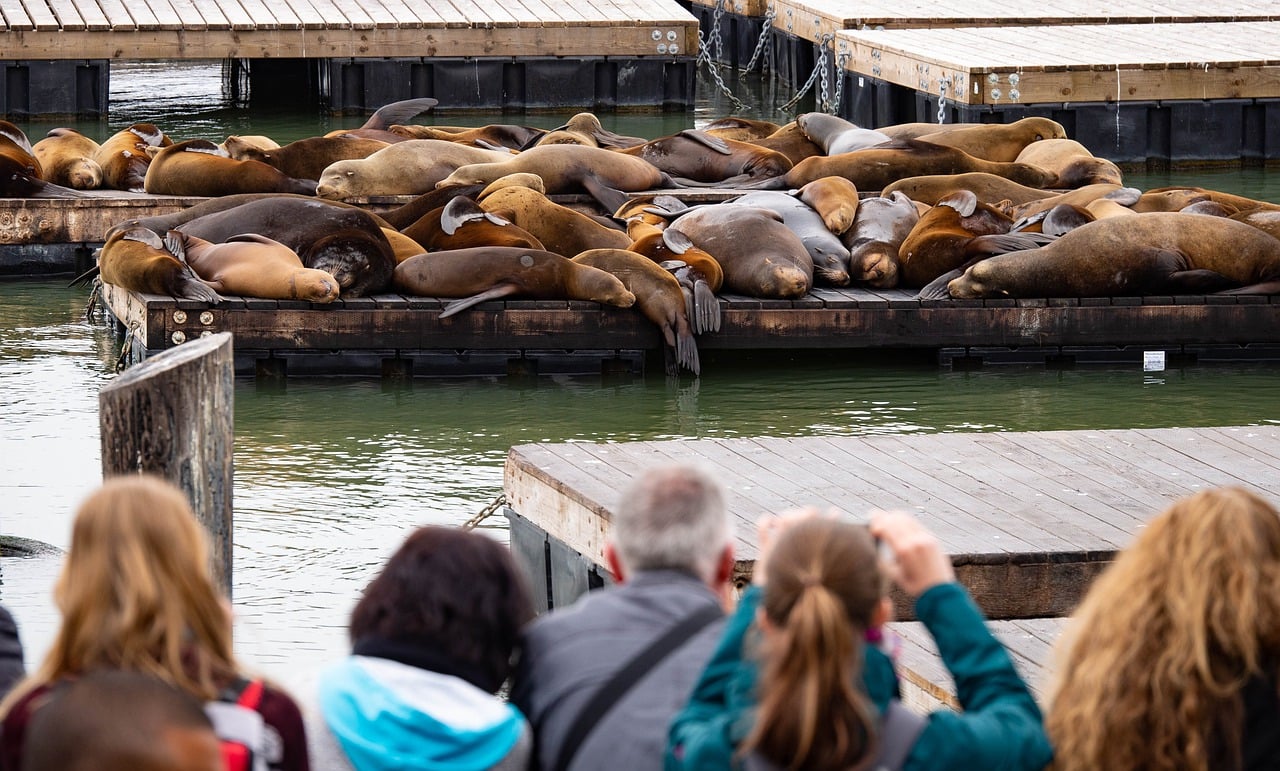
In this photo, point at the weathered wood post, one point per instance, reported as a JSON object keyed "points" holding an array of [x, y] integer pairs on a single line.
{"points": [[172, 416]]}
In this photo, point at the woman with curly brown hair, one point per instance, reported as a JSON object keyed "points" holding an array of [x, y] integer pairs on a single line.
{"points": [[1172, 659]]}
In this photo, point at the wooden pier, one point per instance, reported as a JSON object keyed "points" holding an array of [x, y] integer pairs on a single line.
{"points": [[1029, 518]]}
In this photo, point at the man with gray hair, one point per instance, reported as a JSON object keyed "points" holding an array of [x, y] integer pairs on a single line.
{"points": [[601, 679]]}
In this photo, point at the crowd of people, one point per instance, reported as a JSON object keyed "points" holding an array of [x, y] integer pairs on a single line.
{"points": [[1172, 660]]}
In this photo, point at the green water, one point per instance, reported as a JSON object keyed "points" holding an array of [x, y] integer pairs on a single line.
{"points": [[331, 474]]}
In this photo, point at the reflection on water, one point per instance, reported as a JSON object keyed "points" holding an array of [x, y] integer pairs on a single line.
{"points": [[330, 475]]}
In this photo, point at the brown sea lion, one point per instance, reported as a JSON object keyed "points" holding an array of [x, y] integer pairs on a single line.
{"points": [[1266, 220], [251, 265], [462, 224], [1081, 196], [411, 167], [998, 142], [569, 169], [658, 297], [699, 157], [878, 231], [66, 157], [523, 179], [494, 272], [18, 146], [697, 272], [741, 129], [791, 142], [240, 142], [1102, 208], [124, 159], [1072, 162], [20, 171], [835, 199], [990, 188], [877, 167], [137, 259], [830, 257], [560, 229], [195, 168], [1169, 199], [586, 129], [402, 246], [1156, 253], [836, 135], [952, 233], [379, 124], [760, 256], [1193, 194], [493, 135], [307, 158]]}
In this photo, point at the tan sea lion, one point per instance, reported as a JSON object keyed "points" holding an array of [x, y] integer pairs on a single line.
{"points": [[569, 169], [523, 179], [658, 297], [66, 156], [952, 233], [1103, 208], [760, 256], [1266, 220], [402, 246], [124, 159], [491, 136], [878, 231], [998, 142], [586, 129], [990, 188], [240, 142], [1155, 253], [741, 129], [1072, 162], [462, 224], [251, 265], [1191, 195], [695, 156], [877, 167], [1082, 196], [697, 272], [836, 135], [1169, 199], [307, 158], [560, 229], [195, 168], [379, 124], [835, 199], [137, 259], [791, 142], [410, 167], [494, 272]]}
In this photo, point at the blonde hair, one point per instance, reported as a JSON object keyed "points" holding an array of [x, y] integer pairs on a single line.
{"points": [[1151, 674], [136, 593], [823, 586]]}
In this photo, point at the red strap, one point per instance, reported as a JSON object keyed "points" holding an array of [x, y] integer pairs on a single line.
{"points": [[251, 695]]}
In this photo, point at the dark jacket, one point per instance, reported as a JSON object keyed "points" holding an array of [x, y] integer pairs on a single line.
{"points": [[999, 729], [11, 670]]}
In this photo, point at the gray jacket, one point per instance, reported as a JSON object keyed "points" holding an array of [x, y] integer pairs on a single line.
{"points": [[11, 670], [569, 654]]}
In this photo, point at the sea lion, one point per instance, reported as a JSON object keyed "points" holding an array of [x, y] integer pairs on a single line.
{"points": [[18, 146], [494, 272], [741, 129], [195, 168], [569, 169], [791, 142], [124, 158], [586, 129], [990, 188], [658, 297], [877, 167], [241, 142], [462, 224], [1156, 253], [66, 156], [379, 124], [251, 265], [697, 272], [410, 167], [878, 231], [1266, 220], [1211, 208], [830, 257], [560, 229], [1190, 195], [344, 241], [998, 142], [522, 179], [950, 234], [695, 156], [1081, 196], [1072, 162], [307, 158], [402, 246], [760, 256], [836, 135], [1169, 199], [137, 259], [506, 135], [1101, 208], [835, 199]]}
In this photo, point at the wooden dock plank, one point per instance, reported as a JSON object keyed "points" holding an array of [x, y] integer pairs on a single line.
{"points": [[15, 15], [41, 14], [91, 13], [306, 13], [68, 15]]}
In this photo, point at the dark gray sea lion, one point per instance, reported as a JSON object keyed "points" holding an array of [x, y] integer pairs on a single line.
{"points": [[879, 229], [836, 135], [695, 156], [830, 256]]}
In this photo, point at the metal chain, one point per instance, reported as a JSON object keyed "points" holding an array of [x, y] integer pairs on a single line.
{"points": [[820, 67], [126, 348], [765, 30], [705, 56], [942, 98], [485, 513], [841, 61]]}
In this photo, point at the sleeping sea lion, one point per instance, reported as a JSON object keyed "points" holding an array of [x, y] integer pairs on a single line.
{"points": [[66, 156], [560, 229], [124, 159], [411, 167], [307, 158], [195, 168], [251, 265], [835, 199], [952, 233], [695, 156], [990, 188], [697, 272], [830, 257], [462, 224], [569, 169], [137, 259], [495, 134], [999, 142], [877, 167], [1072, 162], [878, 231], [760, 256], [836, 135]]}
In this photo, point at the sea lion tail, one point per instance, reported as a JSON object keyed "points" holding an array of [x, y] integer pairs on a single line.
{"points": [[687, 351], [609, 198], [1265, 287], [937, 288], [706, 317]]}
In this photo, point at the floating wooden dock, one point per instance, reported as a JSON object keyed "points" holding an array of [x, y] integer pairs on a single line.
{"points": [[657, 38], [1029, 518], [405, 336]]}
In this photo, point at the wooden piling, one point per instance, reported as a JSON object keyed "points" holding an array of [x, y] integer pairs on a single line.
{"points": [[171, 416]]}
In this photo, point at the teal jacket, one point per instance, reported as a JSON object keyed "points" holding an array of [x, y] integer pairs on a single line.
{"points": [[1000, 727]]}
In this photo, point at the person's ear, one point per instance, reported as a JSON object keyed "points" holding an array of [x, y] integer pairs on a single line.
{"points": [[882, 613], [613, 563], [724, 566]]}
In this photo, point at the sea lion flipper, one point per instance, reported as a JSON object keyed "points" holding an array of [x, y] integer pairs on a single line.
{"points": [[937, 288], [963, 201], [608, 197], [687, 350], [1199, 281], [1266, 287], [707, 306], [1125, 196], [710, 140], [459, 211], [399, 112], [1000, 243], [174, 243], [676, 241], [499, 291]]}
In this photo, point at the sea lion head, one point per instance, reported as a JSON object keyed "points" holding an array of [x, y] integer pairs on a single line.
{"points": [[875, 264], [361, 263], [976, 282], [317, 286], [588, 283]]}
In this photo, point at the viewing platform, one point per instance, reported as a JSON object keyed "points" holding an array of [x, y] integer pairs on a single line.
{"points": [[534, 53], [1029, 518]]}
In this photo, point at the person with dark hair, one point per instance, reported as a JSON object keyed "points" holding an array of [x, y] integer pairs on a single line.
{"points": [[432, 640], [795, 684], [11, 669], [120, 721], [601, 679]]}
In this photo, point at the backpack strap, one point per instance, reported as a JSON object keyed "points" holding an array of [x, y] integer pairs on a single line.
{"points": [[632, 672], [251, 695], [899, 729]]}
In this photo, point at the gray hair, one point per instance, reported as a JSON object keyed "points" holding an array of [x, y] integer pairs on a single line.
{"points": [[672, 518]]}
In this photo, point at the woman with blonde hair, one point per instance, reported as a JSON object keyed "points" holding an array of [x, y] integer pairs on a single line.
{"points": [[1172, 659], [136, 594], [799, 683]]}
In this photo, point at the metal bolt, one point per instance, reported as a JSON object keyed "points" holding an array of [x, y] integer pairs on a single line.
{"points": [[1013, 94], [206, 333], [673, 49], [671, 34], [1013, 79], [179, 317], [993, 78], [179, 338], [662, 48], [657, 34], [995, 93], [206, 318]]}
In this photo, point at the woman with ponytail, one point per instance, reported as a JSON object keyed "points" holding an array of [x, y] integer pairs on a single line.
{"points": [[797, 682]]}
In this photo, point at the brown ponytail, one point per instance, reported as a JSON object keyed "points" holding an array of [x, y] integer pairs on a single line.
{"points": [[823, 587]]}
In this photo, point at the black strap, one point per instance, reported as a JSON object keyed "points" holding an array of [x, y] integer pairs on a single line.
{"points": [[617, 686]]}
